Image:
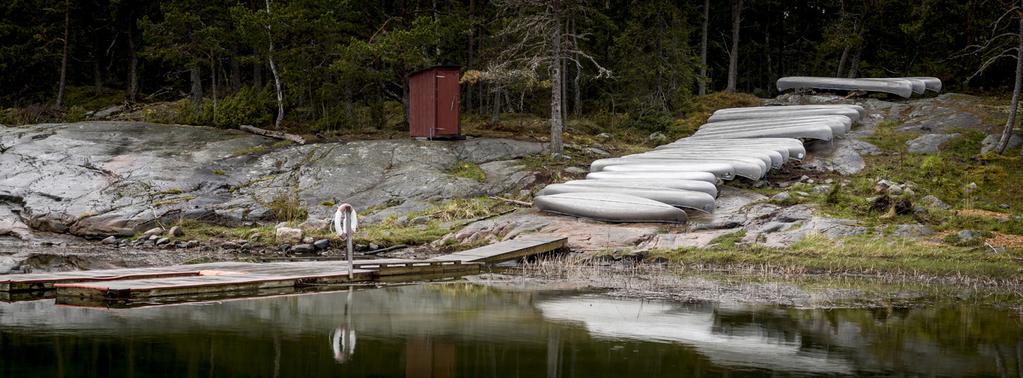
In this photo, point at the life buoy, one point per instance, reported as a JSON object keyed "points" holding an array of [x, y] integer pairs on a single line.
{"points": [[341, 220]]}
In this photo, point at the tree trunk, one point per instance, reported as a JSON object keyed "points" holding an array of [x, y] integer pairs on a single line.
{"points": [[556, 115], [273, 70], [854, 64], [257, 72], [1003, 142], [495, 107], [236, 73], [63, 62], [703, 50], [133, 65], [472, 53], [733, 56], [213, 84], [577, 101], [196, 95]]}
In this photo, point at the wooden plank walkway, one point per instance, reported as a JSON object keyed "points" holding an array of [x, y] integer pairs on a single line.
{"points": [[242, 278], [508, 250]]}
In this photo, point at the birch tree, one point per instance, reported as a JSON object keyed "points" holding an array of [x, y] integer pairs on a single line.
{"points": [[733, 54]]}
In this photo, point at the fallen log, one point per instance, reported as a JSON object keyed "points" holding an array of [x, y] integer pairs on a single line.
{"points": [[273, 134]]}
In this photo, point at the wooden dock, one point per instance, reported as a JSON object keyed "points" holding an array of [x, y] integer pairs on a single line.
{"points": [[232, 279]]}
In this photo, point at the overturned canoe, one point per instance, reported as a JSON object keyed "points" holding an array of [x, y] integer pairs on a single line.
{"points": [[693, 185], [851, 113], [898, 88], [610, 207], [676, 175], [770, 158], [745, 167], [721, 170], [787, 108], [918, 85], [675, 197], [819, 132], [794, 147], [838, 126], [931, 83]]}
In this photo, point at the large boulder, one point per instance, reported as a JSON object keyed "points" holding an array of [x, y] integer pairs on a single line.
{"points": [[117, 178], [929, 143]]}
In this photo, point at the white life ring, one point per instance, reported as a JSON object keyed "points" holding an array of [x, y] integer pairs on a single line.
{"points": [[341, 221]]}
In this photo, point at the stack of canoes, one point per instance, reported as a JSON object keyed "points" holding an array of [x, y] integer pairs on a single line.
{"points": [[662, 184], [900, 86]]}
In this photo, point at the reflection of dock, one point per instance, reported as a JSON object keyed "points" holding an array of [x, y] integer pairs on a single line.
{"points": [[186, 282]]}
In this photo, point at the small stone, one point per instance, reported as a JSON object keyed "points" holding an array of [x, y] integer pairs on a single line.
{"points": [[971, 187], [576, 170], [931, 201], [882, 186], [1003, 206], [230, 245], [657, 137], [760, 184], [153, 237], [422, 219], [110, 240], [604, 137], [598, 152], [968, 236], [804, 178], [303, 248], [802, 194], [829, 181], [373, 246], [288, 235], [308, 240], [810, 181], [152, 231], [176, 231], [162, 241], [321, 244], [821, 189], [781, 197], [895, 189], [315, 225]]}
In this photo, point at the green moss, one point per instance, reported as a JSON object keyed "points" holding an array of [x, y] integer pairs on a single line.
{"points": [[728, 240], [218, 172], [196, 230], [468, 170], [170, 191], [254, 150]]}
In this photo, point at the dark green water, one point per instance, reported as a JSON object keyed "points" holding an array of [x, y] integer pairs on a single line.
{"points": [[464, 330]]}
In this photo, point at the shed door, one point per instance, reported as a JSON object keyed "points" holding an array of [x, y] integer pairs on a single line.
{"points": [[448, 106]]}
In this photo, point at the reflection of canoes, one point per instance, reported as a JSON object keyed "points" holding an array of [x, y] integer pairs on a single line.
{"points": [[793, 147], [838, 124], [675, 197], [610, 207], [851, 113], [746, 167], [819, 132], [677, 175], [900, 88], [932, 83], [771, 158], [693, 185], [787, 108]]}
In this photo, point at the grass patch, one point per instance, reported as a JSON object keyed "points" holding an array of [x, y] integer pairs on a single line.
{"points": [[287, 207], [196, 230], [468, 170], [859, 255], [254, 150], [442, 219]]}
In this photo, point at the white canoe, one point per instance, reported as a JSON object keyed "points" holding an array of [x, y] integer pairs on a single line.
{"points": [[610, 207], [837, 126], [918, 85], [931, 83], [794, 147], [786, 108], [842, 120], [899, 88], [676, 175], [749, 168], [675, 197], [819, 132], [771, 158], [852, 114], [693, 185], [722, 171]]}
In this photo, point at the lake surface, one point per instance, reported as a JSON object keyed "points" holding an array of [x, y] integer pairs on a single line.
{"points": [[467, 330]]}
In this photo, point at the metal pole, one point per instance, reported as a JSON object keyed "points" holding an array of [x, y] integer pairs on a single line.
{"points": [[348, 231]]}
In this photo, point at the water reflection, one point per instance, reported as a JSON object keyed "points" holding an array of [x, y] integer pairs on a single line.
{"points": [[461, 330]]}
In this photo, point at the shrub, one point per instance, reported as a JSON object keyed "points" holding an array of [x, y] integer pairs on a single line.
{"points": [[287, 207]]}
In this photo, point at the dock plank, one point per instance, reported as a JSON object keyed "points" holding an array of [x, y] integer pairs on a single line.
{"points": [[509, 249]]}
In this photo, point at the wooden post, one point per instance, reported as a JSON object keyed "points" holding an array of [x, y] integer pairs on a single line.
{"points": [[348, 231]]}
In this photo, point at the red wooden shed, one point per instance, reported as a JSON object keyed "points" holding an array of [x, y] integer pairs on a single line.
{"points": [[434, 105]]}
